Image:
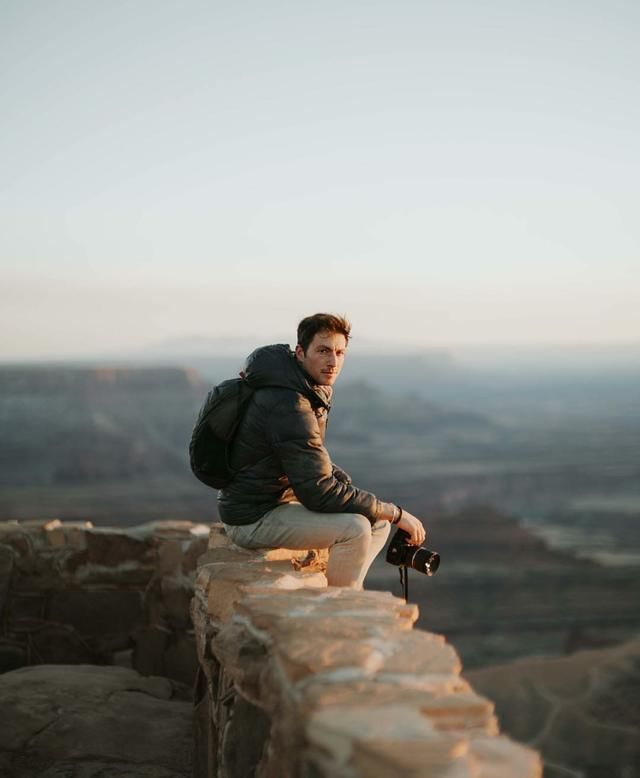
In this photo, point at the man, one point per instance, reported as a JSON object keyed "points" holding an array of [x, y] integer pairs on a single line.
{"points": [[286, 492]]}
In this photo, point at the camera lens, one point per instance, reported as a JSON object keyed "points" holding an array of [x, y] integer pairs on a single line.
{"points": [[400, 552], [425, 561]]}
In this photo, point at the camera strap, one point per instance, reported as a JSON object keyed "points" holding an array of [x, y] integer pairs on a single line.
{"points": [[404, 581]]}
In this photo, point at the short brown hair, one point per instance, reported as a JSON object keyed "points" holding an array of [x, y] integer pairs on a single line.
{"points": [[322, 322]]}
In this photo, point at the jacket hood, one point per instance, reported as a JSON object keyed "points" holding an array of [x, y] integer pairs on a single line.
{"points": [[277, 366]]}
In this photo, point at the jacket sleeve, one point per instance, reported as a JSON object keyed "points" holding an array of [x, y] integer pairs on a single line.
{"points": [[341, 475], [296, 440]]}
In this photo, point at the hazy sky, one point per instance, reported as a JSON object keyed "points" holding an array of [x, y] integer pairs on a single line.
{"points": [[444, 172]]}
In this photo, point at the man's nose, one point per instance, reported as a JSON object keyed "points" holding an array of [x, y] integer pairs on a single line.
{"points": [[333, 360]]}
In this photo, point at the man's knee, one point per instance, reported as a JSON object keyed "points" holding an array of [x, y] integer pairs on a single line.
{"points": [[381, 529], [356, 525]]}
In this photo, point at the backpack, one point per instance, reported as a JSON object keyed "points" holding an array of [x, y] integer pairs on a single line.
{"points": [[215, 429]]}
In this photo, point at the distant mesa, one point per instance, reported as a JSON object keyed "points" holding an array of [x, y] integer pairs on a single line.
{"points": [[581, 711], [43, 379]]}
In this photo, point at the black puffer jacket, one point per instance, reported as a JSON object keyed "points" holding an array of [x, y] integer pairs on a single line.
{"points": [[279, 452]]}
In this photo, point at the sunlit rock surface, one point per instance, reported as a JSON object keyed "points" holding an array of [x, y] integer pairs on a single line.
{"points": [[301, 679], [294, 678]]}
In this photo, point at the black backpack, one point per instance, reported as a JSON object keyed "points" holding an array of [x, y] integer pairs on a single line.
{"points": [[215, 429]]}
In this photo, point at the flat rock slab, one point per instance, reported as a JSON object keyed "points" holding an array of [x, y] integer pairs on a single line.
{"points": [[79, 721]]}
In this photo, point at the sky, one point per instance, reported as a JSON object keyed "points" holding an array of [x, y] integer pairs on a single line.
{"points": [[442, 172]]}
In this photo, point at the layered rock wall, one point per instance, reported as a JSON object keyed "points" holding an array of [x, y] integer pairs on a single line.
{"points": [[71, 593], [298, 679], [293, 678]]}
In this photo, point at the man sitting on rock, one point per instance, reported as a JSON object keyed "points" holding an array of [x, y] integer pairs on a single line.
{"points": [[286, 493]]}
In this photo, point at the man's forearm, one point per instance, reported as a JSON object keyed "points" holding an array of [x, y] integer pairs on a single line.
{"points": [[388, 511]]}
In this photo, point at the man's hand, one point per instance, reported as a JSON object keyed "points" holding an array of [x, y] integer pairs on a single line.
{"points": [[409, 523]]}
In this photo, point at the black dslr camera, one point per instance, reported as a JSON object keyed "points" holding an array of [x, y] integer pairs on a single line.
{"points": [[401, 553]]}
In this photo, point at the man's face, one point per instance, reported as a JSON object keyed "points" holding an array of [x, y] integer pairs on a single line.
{"points": [[324, 358]]}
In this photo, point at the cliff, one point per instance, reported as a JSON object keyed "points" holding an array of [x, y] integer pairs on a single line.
{"points": [[300, 679], [97, 653], [293, 678], [582, 711], [71, 593]]}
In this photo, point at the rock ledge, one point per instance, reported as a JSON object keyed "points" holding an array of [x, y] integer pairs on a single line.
{"points": [[300, 679]]}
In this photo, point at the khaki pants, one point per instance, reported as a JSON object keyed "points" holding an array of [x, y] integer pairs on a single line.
{"points": [[353, 542]]}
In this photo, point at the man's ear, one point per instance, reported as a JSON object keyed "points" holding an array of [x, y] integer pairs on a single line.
{"points": [[299, 353]]}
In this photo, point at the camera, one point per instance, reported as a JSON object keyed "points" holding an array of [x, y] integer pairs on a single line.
{"points": [[401, 553]]}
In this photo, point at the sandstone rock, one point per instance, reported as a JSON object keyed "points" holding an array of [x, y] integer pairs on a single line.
{"points": [[22, 543], [499, 757], [221, 586], [243, 739], [24, 604], [43, 573], [7, 527], [218, 537], [97, 611], [349, 689], [205, 745], [77, 718], [167, 600], [204, 628], [96, 769], [107, 546], [29, 524], [5, 765], [233, 553], [7, 564], [154, 611], [69, 593], [396, 739], [316, 655], [176, 597], [196, 548], [52, 643], [581, 711], [227, 554], [378, 743], [148, 654], [449, 703], [459, 709], [164, 653], [316, 559], [181, 658], [243, 655], [13, 655], [336, 612], [169, 558], [54, 533], [75, 533], [123, 658], [65, 533], [410, 760], [170, 529], [406, 657], [332, 682], [416, 671], [112, 557]]}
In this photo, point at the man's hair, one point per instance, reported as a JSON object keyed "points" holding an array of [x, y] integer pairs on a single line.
{"points": [[322, 322]]}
